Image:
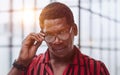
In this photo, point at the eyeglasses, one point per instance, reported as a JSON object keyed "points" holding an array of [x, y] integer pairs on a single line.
{"points": [[63, 35]]}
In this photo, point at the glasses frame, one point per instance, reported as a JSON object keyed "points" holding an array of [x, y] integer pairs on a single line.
{"points": [[56, 36]]}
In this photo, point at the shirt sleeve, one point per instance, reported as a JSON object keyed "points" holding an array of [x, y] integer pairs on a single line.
{"points": [[103, 70]]}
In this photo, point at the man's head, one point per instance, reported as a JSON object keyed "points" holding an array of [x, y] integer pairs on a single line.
{"points": [[56, 10], [57, 23]]}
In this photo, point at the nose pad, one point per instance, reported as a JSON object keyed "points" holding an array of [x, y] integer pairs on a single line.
{"points": [[57, 41]]}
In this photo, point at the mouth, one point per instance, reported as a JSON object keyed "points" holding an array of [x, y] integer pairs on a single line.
{"points": [[59, 49]]}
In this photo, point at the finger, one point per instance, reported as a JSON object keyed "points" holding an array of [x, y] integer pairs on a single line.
{"points": [[34, 49], [38, 37], [37, 45], [35, 38], [43, 34], [32, 39]]}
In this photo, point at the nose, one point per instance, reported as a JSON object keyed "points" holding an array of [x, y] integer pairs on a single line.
{"points": [[57, 41]]}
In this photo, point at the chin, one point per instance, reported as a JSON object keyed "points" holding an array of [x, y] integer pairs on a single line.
{"points": [[61, 56]]}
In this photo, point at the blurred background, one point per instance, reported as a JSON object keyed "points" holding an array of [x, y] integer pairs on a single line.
{"points": [[98, 23]]}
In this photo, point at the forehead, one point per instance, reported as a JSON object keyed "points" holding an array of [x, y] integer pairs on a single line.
{"points": [[54, 25]]}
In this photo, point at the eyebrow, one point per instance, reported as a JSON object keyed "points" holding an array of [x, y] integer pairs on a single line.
{"points": [[53, 32]]}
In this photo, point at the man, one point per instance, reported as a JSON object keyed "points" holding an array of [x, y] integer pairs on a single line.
{"points": [[62, 56]]}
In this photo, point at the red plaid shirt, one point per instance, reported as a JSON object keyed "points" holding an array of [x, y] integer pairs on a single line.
{"points": [[82, 65]]}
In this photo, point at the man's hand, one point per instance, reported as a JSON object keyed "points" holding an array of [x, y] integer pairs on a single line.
{"points": [[29, 47]]}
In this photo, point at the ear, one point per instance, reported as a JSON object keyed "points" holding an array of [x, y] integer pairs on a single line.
{"points": [[75, 30]]}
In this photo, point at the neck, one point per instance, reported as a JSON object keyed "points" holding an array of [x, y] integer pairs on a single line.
{"points": [[63, 60]]}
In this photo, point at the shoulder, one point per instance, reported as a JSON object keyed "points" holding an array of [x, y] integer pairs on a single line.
{"points": [[95, 66], [87, 60], [91, 61]]}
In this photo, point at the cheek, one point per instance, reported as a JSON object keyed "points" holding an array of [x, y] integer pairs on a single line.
{"points": [[71, 39], [69, 42]]}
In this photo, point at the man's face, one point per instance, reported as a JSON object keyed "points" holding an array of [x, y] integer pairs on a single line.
{"points": [[59, 37]]}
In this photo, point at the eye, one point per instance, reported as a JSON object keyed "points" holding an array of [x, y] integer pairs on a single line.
{"points": [[49, 33], [63, 32]]}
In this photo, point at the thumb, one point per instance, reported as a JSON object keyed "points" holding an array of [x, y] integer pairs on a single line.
{"points": [[35, 47]]}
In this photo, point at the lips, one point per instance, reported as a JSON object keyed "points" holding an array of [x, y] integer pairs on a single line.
{"points": [[60, 48]]}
